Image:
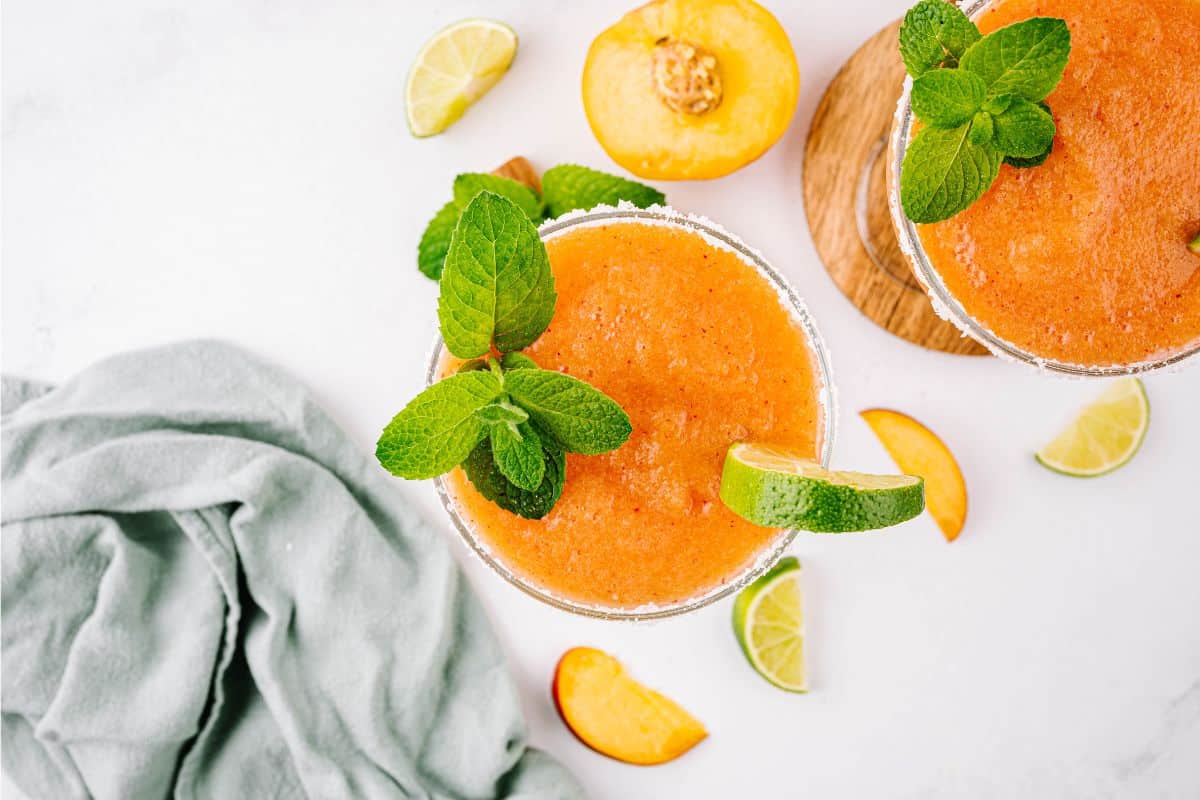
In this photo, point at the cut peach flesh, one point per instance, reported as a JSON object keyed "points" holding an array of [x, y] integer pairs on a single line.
{"points": [[615, 715], [918, 451], [758, 71]]}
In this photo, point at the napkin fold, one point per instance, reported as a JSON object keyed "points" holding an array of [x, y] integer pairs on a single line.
{"points": [[210, 592]]}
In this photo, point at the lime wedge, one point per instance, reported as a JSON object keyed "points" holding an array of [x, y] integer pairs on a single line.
{"points": [[453, 70], [1104, 436], [771, 486], [768, 619]]}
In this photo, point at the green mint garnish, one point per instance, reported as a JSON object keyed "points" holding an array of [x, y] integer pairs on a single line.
{"points": [[1024, 130], [982, 129], [507, 422], [504, 413], [486, 477], [431, 252], [980, 100], [439, 428], [517, 451], [565, 188], [934, 34], [497, 288], [469, 184], [944, 172], [517, 361], [1040, 158], [946, 98], [1194, 245], [1025, 59], [581, 418], [569, 187]]}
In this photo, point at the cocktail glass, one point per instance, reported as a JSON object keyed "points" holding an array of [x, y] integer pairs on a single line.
{"points": [[825, 389]]}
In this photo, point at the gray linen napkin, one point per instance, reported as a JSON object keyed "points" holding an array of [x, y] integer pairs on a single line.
{"points": [[210, 592]]}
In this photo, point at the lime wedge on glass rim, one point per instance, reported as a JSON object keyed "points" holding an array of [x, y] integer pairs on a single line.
{"points": [[453, 70], [768, 620], [772, 486], [1104, 436]]}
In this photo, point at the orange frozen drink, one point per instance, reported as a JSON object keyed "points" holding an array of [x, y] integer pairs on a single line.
{"points": [[701, 350], [1084, 259]]}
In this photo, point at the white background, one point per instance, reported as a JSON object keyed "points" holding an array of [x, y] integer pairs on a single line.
{"points": [[243, 170]]}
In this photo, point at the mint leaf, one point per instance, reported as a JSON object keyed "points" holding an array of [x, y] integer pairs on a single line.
{"points": [[568, 187], [1025, 59], [435, 241], [946, 98], [502, 413], [580, 417], [943, 173], [982, 128], [497, 287], [1025, 130], [431, 252], [469, 184], [439, 428], [483, 473], [1038, 160], [517, 361], [934, 34], [517, 451]]}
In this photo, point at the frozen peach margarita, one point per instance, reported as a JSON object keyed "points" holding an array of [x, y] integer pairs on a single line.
{"points": [[1084, 259], [701, 350]]}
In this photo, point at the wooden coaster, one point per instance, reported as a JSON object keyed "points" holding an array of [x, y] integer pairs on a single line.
{"points": [[845, 197]]}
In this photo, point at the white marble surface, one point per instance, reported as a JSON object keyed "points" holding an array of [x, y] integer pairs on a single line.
{"points": [[242, 169]]}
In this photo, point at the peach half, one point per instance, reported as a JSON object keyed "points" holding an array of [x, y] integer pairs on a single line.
{"points": [[688, 89]]}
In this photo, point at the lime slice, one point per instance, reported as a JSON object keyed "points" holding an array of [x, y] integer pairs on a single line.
{"points": [[1104, 436], [771, 486], [768, 619], [453, 70]]}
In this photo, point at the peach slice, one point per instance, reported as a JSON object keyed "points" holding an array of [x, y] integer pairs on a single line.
{"points": [[918, 451], [615, 715]]}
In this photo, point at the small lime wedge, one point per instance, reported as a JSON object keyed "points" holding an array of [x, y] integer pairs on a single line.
{"points": [[768, 620], [772, 486], [1104, 436], [453, 70]]}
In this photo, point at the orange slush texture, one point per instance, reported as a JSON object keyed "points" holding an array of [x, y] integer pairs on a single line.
{"points": [[699, 350], [1084, 259]]}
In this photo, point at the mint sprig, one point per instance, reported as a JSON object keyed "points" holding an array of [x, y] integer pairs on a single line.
{"points": [[566, 187], [980, 100], [507, 422]]}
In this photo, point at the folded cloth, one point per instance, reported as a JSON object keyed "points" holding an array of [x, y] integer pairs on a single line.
{"points": [[210, 592]]}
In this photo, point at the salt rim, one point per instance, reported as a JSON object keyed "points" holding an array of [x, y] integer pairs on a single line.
{"points": [[941, 298], [717, 236]]}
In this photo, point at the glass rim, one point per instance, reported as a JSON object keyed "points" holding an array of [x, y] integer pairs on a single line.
{"points": [[714, 234], [945, 303]]}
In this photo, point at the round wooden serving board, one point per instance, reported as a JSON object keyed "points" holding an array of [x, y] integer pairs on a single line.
{"points": [[845, 197]]}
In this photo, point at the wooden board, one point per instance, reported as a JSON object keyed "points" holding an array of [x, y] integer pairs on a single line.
{"points": [[845, 197]]}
